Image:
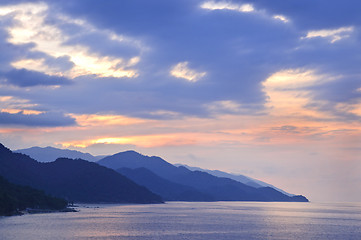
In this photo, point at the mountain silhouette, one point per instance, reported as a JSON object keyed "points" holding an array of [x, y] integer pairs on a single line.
{"points": [[239, 178], [168, 190], [47, 154], [132, 159], [50, 154], [217, 188], [75, 180]]}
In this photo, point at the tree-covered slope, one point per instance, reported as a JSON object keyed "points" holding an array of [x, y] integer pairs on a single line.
{"points": [[15, 198]]}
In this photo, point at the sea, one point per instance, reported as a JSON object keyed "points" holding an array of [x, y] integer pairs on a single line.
{"points": [[191, 220]]}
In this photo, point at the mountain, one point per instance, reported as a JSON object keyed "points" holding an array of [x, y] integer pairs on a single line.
{"points": [[225, 189], [132, 160], [15, 198], [218, 188], [168, 190], [75, 180], [240, 178], [50, 154]]}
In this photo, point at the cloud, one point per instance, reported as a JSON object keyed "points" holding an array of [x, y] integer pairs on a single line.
{"points": [[309, 94], [41, 62], [212, 42], [286, 129], [129, 56], [70, 47], [100, 119], [333, 35], [181, 70], [218, 108], [147, 141], [282, 80], [308, 14], [26, 78], [12, 104], [220, 5], [281, 18], [48, 119]]}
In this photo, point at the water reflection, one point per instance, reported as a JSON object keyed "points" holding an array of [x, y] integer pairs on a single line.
{"points": [[179, 220]]}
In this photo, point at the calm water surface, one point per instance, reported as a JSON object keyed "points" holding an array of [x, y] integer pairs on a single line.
{"points": [[179, 220]]}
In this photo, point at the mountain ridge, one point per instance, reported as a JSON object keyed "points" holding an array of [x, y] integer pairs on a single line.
{"points": [[75, 180], [42, 155], [237, 177], [178, 183], [50, 154], [168, 190], [219, 188]]}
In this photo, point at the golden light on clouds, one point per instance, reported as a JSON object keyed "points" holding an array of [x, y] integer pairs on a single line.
{"points": [[353, 108], [147, 141], [181, 70], [225, 5], [37, 65], [105, 120], [289, 94], [86, 64], [10, 102], [23, 111], [225, 106], [333, 34], [286, 121], [281, 18], [31, 27]]}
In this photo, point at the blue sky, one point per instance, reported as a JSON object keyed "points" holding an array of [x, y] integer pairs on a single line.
{"points": [[270, 89]]}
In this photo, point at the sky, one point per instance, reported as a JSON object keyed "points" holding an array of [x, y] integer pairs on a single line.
{"points": [[268, 89]]}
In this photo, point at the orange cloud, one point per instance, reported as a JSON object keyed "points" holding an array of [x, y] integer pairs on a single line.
{"points": [[105, 120], [23, 111], [147, 141]]}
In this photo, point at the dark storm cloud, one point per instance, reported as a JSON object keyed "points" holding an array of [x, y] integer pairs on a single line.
{"points": [[27, 78], [48, 119]]}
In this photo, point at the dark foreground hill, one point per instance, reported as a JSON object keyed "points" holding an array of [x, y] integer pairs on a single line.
{"points": [[74, 180], [212, 187], [15, 198]]}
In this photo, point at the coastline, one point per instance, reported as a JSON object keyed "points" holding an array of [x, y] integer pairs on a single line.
{"points": [[39, 211]]}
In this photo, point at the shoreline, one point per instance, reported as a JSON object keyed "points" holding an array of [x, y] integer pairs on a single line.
{"points": [[39, 211]]}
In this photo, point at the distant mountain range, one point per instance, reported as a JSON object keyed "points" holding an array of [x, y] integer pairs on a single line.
{"points": [[50, 154], [203, 184], [170, 191], [240, 178], [172, 183], [75, 180]]}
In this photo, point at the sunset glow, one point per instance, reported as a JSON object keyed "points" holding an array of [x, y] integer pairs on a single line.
{"points": [[258, 87], [33, 28]]}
